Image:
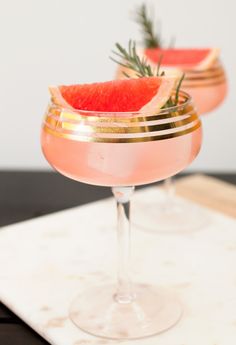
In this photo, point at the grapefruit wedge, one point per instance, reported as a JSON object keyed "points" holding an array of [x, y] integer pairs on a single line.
{"points": [[196, 59], [145, 95]]}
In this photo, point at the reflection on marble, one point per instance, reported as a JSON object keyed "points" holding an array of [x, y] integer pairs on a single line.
{"points": [[45, 262]]}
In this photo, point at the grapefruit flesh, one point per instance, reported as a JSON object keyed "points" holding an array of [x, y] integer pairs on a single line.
{"points": [[128, 95], [183, 58]]}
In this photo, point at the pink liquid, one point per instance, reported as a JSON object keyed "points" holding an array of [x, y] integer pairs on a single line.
{"points": [[208, 87], [207, 98], [120, 164]]}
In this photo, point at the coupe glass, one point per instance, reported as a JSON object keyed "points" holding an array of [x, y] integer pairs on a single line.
{"points": [[208, 88], [122, 150]]}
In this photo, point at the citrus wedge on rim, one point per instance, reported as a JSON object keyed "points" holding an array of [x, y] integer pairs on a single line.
{"points": [[196, 59], [146, 95]]}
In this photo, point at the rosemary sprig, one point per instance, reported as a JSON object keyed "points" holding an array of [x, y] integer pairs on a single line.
{"points": [[150, 38], [178, 89], [130, 60]]}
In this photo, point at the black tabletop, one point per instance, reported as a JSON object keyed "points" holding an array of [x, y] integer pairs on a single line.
{"points": [[25, 195]]}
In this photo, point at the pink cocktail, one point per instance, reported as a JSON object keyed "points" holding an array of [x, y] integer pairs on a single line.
{"points": [[123, 164], [208, 87], [122, 150]]}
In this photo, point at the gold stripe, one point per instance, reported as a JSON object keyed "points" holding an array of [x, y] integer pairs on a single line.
{"points": [[205, 77], [213, 69], [205, 71], [121, 140], [196, 85], [77, 117], [66, 126]]}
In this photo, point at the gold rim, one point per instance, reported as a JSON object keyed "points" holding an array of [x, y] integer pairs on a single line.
{"points": [[204, 84], [86, 138], [203, 76], [64, 115], [135, 128], [76, 117]]}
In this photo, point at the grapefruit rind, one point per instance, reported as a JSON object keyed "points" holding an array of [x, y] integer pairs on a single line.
{"points": [[209, 60], [159, 100], [58, 99]]}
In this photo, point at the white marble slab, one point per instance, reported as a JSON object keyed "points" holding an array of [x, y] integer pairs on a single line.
{"points": [[45, 262]]}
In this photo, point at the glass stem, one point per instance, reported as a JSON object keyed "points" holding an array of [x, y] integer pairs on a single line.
{"points": [[124, 293], [170, 192]]}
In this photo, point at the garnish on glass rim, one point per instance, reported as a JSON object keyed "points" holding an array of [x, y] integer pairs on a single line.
{"points": [[130, 60], [179, 58], [146, 95]]}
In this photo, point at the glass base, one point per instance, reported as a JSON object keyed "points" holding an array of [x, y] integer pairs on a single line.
{"points": [[177, 217], [152, 311]]}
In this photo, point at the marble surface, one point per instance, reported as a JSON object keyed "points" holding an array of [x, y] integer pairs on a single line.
{"points": [[46, 262]]}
